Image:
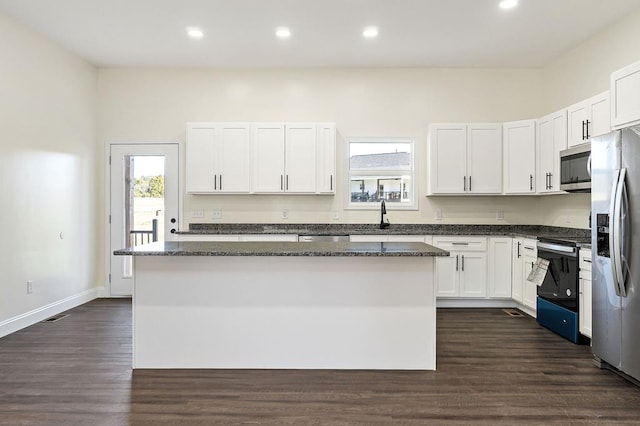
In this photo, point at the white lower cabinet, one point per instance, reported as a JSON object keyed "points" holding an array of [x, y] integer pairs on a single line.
{"points": [[525, 254], [236, 237], [585, 291], [389, 239], [464, 273], [500, 267]]}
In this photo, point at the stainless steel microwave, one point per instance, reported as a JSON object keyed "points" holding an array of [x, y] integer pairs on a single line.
{"points": [[575, 169]]}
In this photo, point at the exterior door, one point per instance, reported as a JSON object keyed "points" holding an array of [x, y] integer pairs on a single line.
{"points": [[143, 204]]}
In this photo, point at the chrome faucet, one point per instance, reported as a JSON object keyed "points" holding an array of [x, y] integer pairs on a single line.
{"points": [[383, 211]]}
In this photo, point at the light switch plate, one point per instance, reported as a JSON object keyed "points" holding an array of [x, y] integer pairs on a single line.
{"points": [[335, 215], [500, 215], [217, 214], [438, 214], [285, 214], [197, 213]]}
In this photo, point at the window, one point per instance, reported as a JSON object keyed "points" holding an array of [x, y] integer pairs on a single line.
{"points": [[381, 169]]}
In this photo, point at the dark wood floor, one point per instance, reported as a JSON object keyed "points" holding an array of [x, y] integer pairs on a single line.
{"points": [[492, 369]]}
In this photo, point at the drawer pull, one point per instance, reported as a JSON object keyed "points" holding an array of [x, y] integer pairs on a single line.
{"points": [[459, 244]]}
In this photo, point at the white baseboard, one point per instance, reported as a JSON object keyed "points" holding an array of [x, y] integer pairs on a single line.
{"points": [[476, 303], [19, 322]]}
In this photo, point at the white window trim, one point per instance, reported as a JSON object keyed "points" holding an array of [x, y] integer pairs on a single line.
{"points": [[348, 205]]}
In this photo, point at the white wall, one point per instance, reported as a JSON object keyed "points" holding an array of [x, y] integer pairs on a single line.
{"points": [[154, 105], [585, 70], [48, 175]]}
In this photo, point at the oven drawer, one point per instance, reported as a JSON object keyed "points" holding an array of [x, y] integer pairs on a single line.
{"points": [[558, 319]]}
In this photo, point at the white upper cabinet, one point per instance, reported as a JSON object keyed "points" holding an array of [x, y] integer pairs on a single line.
{"points": [[300, 158], [465, 159], [268, 157], [519, 141], [286, 158], [447, 158], [326, 158], [218, 158], [625, 96], [484, 157], [588, 118], [551, 133]]}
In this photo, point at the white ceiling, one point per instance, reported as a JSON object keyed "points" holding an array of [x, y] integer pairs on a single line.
{"points": [[326, 33]]}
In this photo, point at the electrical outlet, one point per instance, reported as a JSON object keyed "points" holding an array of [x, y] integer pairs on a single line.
{"points": [[217, 214], [438, 214], [285, 214], [197, 213], [29, 287], [500, 215], [335, 215]]}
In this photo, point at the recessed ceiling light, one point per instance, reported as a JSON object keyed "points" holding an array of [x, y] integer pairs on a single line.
{"points": [[283, 32], [370, 32], [508, 4], [194, 32]]}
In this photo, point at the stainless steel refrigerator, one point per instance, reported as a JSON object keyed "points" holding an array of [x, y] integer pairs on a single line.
{"points": [[615, 235]]}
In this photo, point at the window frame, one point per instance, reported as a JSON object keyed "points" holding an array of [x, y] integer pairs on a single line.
{"points": [[412, 172]]}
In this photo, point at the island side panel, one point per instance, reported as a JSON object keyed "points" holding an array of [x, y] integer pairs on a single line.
{"points": [[284, 312]]}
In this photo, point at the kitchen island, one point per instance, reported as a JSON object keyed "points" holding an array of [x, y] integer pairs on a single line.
{"points": [[284, 305]]}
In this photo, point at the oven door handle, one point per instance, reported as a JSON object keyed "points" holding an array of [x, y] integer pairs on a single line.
{"points": [[557, 249]]}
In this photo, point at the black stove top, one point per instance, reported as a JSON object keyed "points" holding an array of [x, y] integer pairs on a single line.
{"points": [[571, 241]]}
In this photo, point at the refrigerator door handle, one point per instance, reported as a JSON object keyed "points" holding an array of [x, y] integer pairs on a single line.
{"points": [[620, 237], [612, 231]]}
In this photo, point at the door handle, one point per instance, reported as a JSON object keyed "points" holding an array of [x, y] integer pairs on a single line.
{"points": [[587, 128], [220, 181], [464, 180], [287, 185], [583, 132], [215, 181], [463, 262], [530, 182], [281, 183], [457, 262], [519, 244], [469, 183], [331, 182]]}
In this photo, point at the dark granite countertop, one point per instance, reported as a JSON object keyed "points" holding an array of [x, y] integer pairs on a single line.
{"points": [[199, 248], [527, 231]]}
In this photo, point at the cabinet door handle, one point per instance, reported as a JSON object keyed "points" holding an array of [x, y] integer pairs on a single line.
{"points": [[455, 243], [587, 126], [215, 182], [331, 182], [583, 132], [464, 180], [287, 184], [456, 262], [469, 183], [528, 248], [220, 181], [281, 183], [463, 263], [586, 260], [519, 244], [530, 182]]}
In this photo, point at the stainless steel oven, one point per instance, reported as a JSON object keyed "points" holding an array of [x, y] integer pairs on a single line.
{"points": [[575, 169]]}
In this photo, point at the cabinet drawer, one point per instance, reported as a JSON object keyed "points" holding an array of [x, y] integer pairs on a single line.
{"points": [[461, 243], [585, 260]]}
